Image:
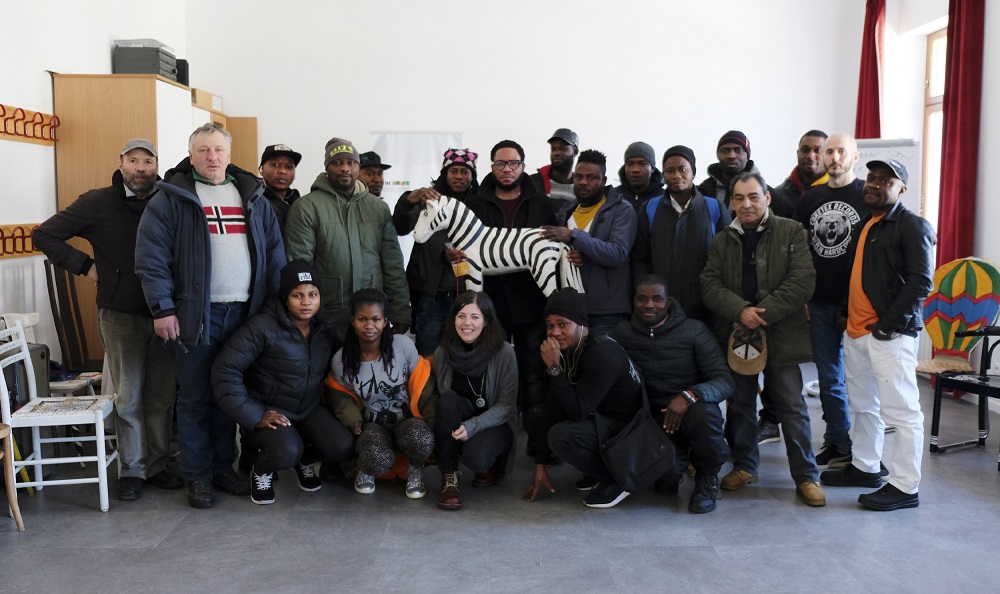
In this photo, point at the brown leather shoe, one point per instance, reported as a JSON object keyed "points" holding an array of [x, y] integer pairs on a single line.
{"points": [[486, 479], [450, 497]]}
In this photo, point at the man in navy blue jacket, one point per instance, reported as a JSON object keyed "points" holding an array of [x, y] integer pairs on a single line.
{"points": [[209, 252]]}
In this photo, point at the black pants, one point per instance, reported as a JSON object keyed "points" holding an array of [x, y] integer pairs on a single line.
{"points": [[480, 451], [576, 442], [701, 436], [282, 447]]}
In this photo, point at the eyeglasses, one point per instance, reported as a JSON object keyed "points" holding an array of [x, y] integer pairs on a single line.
{"points": [[513, 164]]}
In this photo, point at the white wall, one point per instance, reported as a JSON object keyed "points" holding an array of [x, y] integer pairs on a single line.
{"points": [[664, 71], [66, 36]]}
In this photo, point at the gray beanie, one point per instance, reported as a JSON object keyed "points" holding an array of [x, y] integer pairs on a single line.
{"points": [[643, 151]]}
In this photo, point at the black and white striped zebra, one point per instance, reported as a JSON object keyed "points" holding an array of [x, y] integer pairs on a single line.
{"points": [[494, 250]]}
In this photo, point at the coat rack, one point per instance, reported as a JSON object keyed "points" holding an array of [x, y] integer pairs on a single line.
{"points": [[17, 123]]}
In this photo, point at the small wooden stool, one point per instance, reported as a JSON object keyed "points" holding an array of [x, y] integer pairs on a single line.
{"points": [[7, 453]]}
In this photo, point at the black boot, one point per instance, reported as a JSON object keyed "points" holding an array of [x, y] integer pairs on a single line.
{"points": [[706, 491]]}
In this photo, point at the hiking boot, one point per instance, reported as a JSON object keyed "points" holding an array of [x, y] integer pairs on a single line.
{"points": [[261, 489], [364, 483], [851, 476], [415, 482], [308, 481], [737, 479], [888, 498], [201, 494], [450, 497], [831, 458], [705, 494], [228, 481], [811, 493], [767, 432]]}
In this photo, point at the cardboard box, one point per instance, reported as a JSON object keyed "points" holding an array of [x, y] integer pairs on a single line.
{"points": [[206, 100]]}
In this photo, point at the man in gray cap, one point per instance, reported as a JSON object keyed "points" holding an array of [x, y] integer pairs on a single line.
{"points": [[347, 233], [142, 371], [556, 179], [277, 169], [373, 172], [640, 178]]}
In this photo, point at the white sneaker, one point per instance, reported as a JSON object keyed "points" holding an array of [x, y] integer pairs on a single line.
{"points": [[364, 483], [415, 482]]}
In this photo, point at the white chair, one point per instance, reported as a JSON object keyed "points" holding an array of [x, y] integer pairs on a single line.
{"points": [[85, 381], [51, 412]]}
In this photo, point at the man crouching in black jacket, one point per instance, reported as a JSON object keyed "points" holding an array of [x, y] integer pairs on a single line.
{"points": [[686, 377], [589, 374]]}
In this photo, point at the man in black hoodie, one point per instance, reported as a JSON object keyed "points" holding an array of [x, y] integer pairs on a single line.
{"points": [[733, 152], [141, 369], [640, 178]]}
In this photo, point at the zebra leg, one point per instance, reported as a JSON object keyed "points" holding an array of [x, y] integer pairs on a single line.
{"points": [[474, 279], [569, 275], [544, 267]]}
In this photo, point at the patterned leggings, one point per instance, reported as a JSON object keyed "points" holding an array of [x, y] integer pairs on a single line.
{"points": [[376, 454]]}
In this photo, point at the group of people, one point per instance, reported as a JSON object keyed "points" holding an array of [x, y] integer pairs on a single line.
{"points": [[290, 316]]}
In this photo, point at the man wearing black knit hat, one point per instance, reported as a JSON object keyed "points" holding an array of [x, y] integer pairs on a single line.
{"points": [[640, 178], [675, 232], [589, 373], [733, 152]]}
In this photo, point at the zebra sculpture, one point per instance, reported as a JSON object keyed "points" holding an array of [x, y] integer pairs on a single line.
{"points": [[494, 250]]}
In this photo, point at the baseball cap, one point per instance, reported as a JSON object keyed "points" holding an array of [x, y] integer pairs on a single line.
{"points": [[566, 134], [138, 143], [747, 350], [280, 149], [898, 169]]}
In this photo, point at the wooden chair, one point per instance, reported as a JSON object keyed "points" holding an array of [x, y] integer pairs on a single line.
{"points": [[958, 314], [7, 454], [72, 337], [51, 412]]}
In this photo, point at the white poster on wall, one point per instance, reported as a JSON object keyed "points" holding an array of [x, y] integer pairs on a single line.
{"points": [[906, 152], [416, 161]]}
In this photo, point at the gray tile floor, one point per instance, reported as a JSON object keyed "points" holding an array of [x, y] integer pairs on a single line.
{"points": [[761, 539]]}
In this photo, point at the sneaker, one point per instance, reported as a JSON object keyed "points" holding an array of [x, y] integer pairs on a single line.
{"points": [[308, 481], [129, 488], [705, 494], [415, 482], [364, 483], [605, 495], [261, 489], [450, 498], [811, 493], [201, 494], [586, 483], [228, 481], [737, 479], [767, 432], [850, 476], [831, 458], [888, 498]]}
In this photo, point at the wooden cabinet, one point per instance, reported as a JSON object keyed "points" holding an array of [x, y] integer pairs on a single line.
{"points": [[99, 114]]}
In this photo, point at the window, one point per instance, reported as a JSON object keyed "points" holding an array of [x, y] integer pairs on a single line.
{"points": [[937, 44]]}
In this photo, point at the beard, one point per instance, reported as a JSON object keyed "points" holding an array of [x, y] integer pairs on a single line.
{"points": [[140, 185], [509, 187]]}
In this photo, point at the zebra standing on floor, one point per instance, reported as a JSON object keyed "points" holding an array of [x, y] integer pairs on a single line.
{"points": [[494, 250]]}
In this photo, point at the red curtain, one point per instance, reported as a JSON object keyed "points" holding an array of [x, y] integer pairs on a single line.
{"points": [[867, 123], [963, 91]]}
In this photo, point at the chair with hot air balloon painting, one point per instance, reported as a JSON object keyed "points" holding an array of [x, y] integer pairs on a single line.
{"points": [[959, 314]]}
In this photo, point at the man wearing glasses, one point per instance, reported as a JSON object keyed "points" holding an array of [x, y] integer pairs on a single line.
{"points": [[508, 198]]}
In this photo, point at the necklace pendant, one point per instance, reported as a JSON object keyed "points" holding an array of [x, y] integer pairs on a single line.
{"points": [[480, 402]]}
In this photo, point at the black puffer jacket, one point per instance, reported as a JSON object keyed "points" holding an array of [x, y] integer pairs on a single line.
{"points": [[637, 199], [682, 354], [268, 364]]}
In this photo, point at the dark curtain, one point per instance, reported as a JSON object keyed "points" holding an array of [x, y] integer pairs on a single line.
{"points": [[963, 90], [867, 124]]}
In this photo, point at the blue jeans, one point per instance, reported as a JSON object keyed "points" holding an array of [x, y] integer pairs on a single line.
{"points": [[785, 383], [430, 313], [205, 434], [828, 354]]}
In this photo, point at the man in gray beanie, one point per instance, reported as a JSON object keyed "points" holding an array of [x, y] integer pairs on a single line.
{"points": [[640, 179], [346, 232], [588, 373]]}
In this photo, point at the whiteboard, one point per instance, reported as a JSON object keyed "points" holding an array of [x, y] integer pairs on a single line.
{"points": [[903, 150]]}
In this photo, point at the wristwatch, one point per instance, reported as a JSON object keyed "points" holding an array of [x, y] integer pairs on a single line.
{"points": [[554, 370]]}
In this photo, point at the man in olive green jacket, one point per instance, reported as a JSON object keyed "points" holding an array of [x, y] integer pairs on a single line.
{"points": [[347, 234], [759, 274]]}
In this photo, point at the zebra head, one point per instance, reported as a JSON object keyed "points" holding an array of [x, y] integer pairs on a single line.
{"points": [[434, 216]]}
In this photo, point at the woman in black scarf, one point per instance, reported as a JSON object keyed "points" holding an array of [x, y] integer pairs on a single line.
{"points": [[475, 373]]}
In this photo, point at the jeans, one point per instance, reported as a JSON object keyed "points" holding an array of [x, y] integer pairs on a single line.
{"points": [[480, 451], [789, 404], [699, 439], [578, 444], [828, 354], [430, 313], [882, 390], [142, 369], [282, 448], [206, 435]]}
